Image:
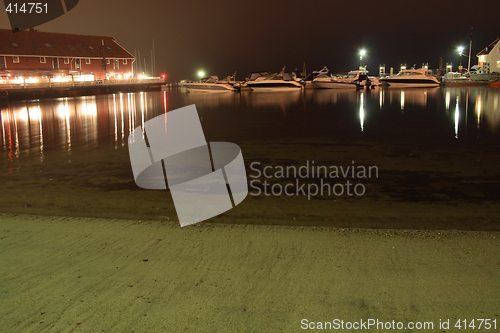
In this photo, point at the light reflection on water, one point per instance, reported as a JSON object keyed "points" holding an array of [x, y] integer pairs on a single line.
{"points": [[30, 128]]}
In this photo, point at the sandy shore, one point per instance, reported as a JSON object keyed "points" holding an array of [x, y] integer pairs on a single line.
{"points": [[108, 275]]}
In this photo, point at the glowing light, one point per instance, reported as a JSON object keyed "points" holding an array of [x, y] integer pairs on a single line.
{"points": [[478, 110], [361, 112], [35, 113]]}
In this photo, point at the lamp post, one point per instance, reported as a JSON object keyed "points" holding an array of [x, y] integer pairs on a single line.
{"points": [[461, 53], [361, 54], [201, 74]]}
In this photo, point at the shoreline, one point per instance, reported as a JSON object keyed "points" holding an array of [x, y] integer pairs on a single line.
{"points": [[94, 274]]}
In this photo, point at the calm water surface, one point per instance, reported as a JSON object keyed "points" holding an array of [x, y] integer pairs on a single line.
{"points": [[30, 129]]}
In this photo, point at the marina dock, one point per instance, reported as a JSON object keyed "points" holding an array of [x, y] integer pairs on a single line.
{"points": [[32, 91]]}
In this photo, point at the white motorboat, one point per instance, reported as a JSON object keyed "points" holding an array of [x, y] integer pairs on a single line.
{"points": [[326, 81], [307, 81], [263, 81], [361, 78], [209, 85], [411, 78]]}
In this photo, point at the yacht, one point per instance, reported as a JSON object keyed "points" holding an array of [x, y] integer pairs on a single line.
{"points": [[411, 78], [326, 81], [361, 78], [211, 84], [263, 81], [307, 81]]}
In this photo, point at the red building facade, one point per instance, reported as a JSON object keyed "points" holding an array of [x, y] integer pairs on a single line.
{"points": [[42, 54]]}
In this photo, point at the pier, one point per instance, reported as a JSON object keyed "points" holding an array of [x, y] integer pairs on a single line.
{"points": [[43, 90]]}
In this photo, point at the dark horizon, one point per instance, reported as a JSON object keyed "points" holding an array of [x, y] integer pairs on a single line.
{"points": [[221, 38]]}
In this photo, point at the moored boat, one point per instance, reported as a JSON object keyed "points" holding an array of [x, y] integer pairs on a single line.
{"points": [[263, 81], [326, 81], [361, 78], [209, 85], [411, 78]]}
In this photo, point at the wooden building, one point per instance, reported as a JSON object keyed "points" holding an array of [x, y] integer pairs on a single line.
{"points": [[489, 58], [42, 54]]}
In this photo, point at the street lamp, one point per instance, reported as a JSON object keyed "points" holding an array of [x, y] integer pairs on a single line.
{"points": [[361, 54], [201, 74], [461, 53]]}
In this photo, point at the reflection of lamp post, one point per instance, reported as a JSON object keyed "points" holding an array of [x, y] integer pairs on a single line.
{"points": [[361, 54]]}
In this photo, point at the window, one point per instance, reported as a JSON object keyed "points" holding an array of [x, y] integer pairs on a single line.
{"points": [[87, 61], [90, 47], [109, 48], [42, 60], [15, 59], [116, 64], [108, 61], [55, 63], [124, 61], [14, 44], [498, 63], [37, 45], [71, 47], [81, 47], [66, 60], [100, 48], [2, 62], [48, 45], [77, 63]]}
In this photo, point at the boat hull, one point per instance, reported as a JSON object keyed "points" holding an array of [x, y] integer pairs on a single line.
{"points": [[208, 88], [274, 85], [411, 83], [334, 85]]}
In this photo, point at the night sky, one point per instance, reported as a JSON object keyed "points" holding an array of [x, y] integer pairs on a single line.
{"points": [[221, 37]]}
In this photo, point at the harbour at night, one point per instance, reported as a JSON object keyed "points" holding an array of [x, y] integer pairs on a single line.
{"points": [[259, 167]]}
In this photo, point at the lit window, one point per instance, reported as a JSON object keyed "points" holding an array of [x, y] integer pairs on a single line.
{"points": [[14, 44], [48, 45], [116, 66], [15, 59], [37, 45], [498, 63], [77, 63], [42, 60], [66, 60], [87, 61], [124, 61]]}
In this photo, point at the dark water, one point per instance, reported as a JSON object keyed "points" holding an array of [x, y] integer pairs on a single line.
{"points": [[31, 128], [436, 151]]}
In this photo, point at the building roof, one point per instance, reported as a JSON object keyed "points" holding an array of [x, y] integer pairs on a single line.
{"points": [[488, 49], [47, 44]]}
